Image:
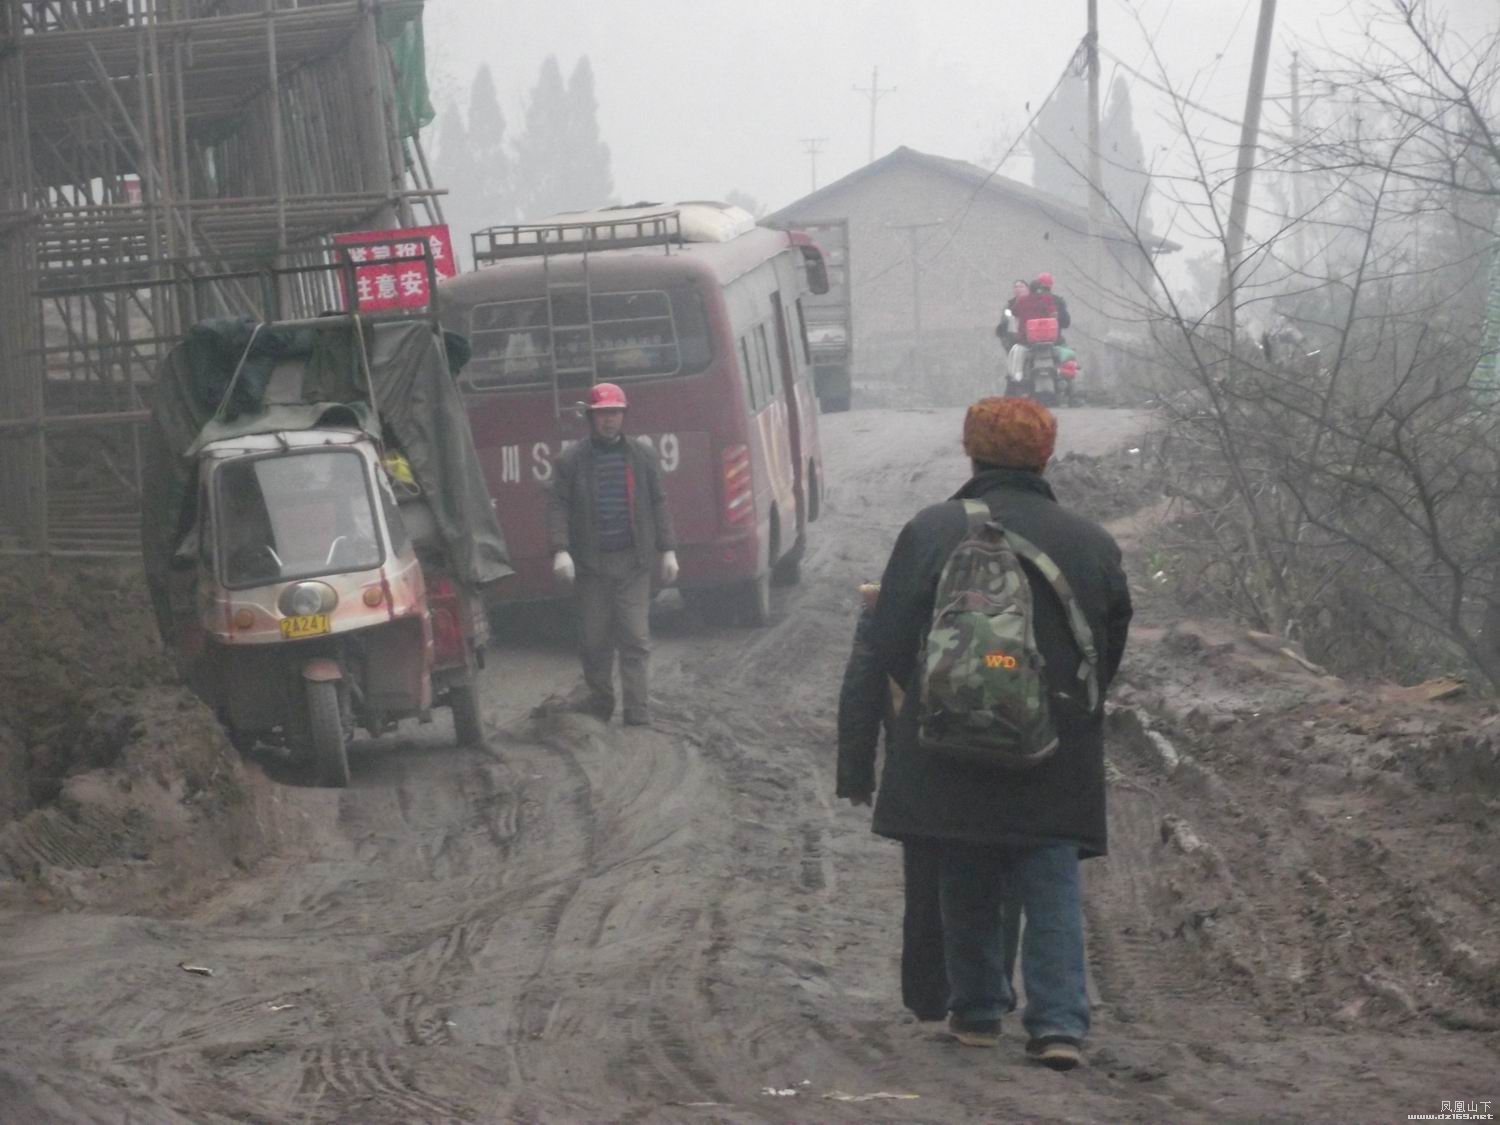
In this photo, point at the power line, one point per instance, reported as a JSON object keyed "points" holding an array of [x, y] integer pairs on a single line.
{"points": [[916, 269], [1178, 96], [1071, 68]]}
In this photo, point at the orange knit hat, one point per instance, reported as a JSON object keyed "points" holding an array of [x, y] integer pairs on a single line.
{"points": [[1015, 433]]}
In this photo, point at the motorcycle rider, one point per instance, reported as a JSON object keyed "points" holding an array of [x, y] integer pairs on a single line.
{"points": [[1043, 285], [1038, 302], [1008, 330]]}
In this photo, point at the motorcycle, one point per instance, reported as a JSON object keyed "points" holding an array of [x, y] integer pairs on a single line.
{"points": [[1038, 377]]}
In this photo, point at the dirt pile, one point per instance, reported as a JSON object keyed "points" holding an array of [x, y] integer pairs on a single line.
{"points": [[114, 781], [1323, 851], [1107, 487], [73, 641]]}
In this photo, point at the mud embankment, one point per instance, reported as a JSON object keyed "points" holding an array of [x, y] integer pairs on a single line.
{"points": [[116, 785]]}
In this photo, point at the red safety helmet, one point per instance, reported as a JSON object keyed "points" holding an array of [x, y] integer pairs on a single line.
{"points": [[607, 396], [1044, 280]]}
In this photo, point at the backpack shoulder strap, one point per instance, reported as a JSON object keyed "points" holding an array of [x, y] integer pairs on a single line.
{"points": [[978, 514], [1083, 635]]}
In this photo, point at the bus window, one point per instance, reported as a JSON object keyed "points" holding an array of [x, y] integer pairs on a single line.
{"points": [[510, 343], [802, 335], [635, 335], [747, 371], [766, 389]]}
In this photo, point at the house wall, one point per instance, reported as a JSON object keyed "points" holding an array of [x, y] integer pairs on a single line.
{"points": [[968, 263]]}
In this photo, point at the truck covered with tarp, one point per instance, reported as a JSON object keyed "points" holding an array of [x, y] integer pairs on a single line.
{"points": [[390, 378]]}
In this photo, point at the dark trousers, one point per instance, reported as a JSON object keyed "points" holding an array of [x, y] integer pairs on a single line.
{"points": [[924, 969], [978, 888], [614, 602], [924, 973]]}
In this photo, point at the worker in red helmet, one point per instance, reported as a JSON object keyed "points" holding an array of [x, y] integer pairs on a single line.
{"points": [[610, 532], [1043, 285]]}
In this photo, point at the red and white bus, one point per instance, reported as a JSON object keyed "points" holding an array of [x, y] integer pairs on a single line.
{"points": [[697, 314]]}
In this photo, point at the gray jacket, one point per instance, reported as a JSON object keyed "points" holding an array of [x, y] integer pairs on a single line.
{"points": [[571, 525]]}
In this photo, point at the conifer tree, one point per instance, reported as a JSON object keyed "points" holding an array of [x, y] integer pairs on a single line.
{"points": [[589, 179], [1123, 158], [561, 164], [493, 195], [541, 150], [1060, 145]]}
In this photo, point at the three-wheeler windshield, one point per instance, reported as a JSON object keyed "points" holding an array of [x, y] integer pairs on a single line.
{"points": [[295, 515]]}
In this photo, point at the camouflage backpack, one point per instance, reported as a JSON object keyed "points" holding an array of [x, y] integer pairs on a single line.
{"points": [[984, 696]]}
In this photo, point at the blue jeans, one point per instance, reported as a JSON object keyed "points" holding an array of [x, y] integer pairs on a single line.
{"points": [[974, 884], [924, 975]]}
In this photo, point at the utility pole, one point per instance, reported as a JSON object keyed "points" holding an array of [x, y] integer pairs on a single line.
{"points": [[1298, 196], [1239, 203], [812, 146], [911, 230], [874, 93], [1096, 176]]}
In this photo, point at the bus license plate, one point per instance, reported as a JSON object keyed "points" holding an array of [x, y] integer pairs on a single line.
{"points": [[307, 625]]}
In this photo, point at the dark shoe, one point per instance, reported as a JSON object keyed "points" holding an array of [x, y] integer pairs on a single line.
{"points": [[930, 1015], [600, 709], [637, 719], [1059, 1052], [975, 1033]]}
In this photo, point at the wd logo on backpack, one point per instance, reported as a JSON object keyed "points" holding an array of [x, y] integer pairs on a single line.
{"points": [[983, 684]]}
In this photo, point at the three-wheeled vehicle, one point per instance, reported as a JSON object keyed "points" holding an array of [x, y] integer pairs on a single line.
{"points": [[316, 548]]}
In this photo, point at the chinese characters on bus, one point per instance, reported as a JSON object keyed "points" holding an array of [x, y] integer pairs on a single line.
{"points": [[391, 265]]}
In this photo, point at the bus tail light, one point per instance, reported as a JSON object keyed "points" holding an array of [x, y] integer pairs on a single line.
{"points": [[739, 487]]}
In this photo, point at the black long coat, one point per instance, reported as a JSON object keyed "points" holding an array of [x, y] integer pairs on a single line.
{"points": [[923, 797]]}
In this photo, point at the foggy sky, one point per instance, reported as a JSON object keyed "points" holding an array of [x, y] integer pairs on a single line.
{"points": [[696, 99]]}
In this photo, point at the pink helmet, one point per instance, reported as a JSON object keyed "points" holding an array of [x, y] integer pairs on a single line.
{"points": [[1044, 279], [607, 396]]}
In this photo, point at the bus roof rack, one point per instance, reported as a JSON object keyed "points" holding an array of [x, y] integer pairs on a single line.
{"points": [[563, 236]]}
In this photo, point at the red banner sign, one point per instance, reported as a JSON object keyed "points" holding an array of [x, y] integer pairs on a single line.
{"points": [[396, 274]]}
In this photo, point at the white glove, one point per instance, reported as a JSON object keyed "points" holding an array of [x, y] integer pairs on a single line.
{"points": [[562, 568], [668, 567]]}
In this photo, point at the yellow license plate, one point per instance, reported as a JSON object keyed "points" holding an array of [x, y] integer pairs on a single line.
{"points": [[309, 625]]}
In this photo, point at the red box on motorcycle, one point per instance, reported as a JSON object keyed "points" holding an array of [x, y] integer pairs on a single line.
{"points": [[1041, 330]]}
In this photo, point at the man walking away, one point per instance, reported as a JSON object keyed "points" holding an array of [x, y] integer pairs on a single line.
{"points": [[1018, 824], [865, 709], [609, 529]]}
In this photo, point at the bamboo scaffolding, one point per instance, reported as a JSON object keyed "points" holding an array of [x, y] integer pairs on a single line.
{"points": [[155, 159]]}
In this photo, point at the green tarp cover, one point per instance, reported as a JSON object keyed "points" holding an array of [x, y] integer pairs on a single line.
{"points": [[417, 406], [402, 35]]}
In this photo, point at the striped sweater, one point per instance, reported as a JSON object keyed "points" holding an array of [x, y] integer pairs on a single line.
{"points": [[612, 497]]}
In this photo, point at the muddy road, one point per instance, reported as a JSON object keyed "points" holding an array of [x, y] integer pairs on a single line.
{"points": [[587, 923]]}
